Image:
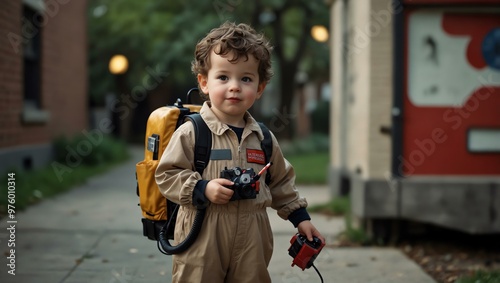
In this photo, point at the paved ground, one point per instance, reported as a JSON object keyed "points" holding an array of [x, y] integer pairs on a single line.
{"points": [[93, 234]]}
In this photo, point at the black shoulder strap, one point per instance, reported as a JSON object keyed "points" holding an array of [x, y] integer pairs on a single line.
{"points": [[267, 146], [202, 148], [203, 142]]}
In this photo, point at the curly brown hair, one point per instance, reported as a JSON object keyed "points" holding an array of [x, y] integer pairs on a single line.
{"points": [[241, 39]]}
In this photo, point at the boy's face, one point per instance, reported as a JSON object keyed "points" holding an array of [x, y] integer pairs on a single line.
{"points": [[231, 87]]}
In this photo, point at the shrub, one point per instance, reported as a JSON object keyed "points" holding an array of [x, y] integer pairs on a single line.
{"points": [[91, 152], [481, 277]]}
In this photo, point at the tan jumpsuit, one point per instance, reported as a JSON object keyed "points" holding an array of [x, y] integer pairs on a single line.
{"points": [[235, 243]]}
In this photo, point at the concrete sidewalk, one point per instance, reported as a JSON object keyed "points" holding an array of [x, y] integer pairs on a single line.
{"points": [[93, 234]]}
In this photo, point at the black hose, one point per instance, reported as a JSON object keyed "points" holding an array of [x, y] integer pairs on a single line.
{"points": [[317, 271], [187, 242]]}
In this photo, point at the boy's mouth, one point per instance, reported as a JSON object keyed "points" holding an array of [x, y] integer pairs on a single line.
{"points": [[234, 99]]}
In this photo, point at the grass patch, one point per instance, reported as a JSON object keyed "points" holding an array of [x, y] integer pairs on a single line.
{"points": [[61, 175], [337, 206], [310, 168], [481, 277], [309, 157], [352, 236]]}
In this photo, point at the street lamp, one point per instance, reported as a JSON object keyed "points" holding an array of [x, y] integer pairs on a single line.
{"points": [[319, 33], [118, 64]]}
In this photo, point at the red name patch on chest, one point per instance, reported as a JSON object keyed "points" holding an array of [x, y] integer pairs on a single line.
{"points": [[256, 156]]}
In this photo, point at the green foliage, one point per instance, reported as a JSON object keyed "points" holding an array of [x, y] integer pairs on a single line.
{"points": [[159, 35], [481, 277], [309, 157], [316, 143], [163, 35], [32, 186], [310, 168], [89, 152], [353, 234], [336, 206], [342, 206]]}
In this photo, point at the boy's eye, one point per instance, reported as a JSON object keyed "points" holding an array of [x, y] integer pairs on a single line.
{"points": [[246, 79], [223, 78]]}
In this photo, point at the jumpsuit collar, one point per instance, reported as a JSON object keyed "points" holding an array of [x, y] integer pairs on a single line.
{"points": [[218, 128]]}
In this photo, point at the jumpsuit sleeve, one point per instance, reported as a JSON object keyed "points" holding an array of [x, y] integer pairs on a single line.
{"points": [[175, 174], [285, 196]]}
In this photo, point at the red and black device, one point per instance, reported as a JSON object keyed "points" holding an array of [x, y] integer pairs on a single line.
{"points": [[246, 182], [303, 251]]}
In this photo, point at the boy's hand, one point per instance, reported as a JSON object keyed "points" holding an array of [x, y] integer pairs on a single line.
{"points": [[217, 191], [307, 229]]}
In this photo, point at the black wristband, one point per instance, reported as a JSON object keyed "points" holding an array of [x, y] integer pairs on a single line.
{"points": [[298, 216]]}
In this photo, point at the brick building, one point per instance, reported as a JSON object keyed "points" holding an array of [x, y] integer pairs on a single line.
{"points": [[43, 78]]}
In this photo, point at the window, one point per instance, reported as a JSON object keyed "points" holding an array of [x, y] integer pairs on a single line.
{"points": [[483, 140], [31, 52], [32, 41]]}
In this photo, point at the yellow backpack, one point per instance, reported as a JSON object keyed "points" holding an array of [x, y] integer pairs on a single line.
{"points": [[161, 124]]}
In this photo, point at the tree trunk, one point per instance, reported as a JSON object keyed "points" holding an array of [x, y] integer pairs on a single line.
{"points": [[285, 114], [283, 122]]}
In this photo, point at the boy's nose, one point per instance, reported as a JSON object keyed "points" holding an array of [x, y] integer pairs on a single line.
{"points": [[234, 87]]}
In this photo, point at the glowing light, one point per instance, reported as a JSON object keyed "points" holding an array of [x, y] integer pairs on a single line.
{"points": [[319, 33], [118, 64]]}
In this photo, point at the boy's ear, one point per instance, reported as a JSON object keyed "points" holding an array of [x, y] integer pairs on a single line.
{"points": [[202, 82], [260, 89]]}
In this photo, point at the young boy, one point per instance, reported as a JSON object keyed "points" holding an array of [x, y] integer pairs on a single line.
{"points": [[233, 66]]}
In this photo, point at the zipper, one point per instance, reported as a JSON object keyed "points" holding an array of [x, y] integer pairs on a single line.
{"points": [[239, 152]]}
